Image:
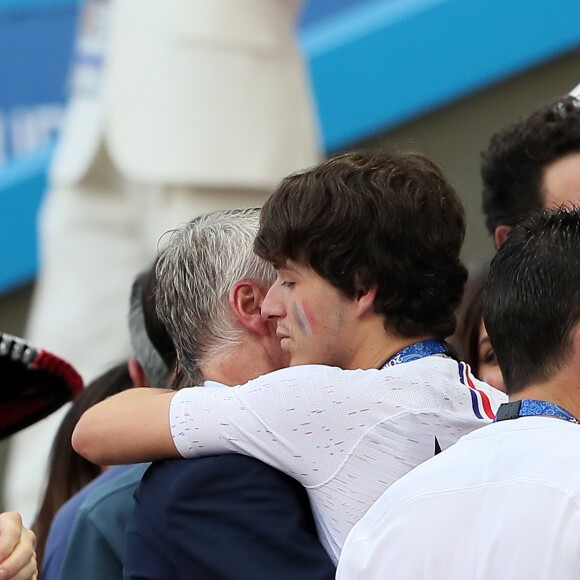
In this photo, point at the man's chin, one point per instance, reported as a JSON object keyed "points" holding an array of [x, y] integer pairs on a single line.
{"points": [[295, 359]]}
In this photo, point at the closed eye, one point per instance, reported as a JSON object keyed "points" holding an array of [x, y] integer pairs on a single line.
{"points": [[488, 357]]}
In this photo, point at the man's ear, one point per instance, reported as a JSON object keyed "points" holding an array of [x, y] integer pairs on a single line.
{"points": [[245, 300], [500, 235], [365, 299], [137, 373]]}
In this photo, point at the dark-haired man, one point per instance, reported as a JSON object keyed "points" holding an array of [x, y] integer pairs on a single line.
{"points": [[532, 164], [366, 248], [87, 534], [503, 502]]}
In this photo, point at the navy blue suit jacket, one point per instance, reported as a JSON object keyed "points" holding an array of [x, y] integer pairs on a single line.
{"points": [[222, 517]]}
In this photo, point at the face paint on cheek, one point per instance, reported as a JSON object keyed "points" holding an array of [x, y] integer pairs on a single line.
{"points": [[301, 318]]}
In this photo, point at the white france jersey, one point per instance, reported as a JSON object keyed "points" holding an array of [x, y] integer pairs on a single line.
{"points": [[345, 435]]}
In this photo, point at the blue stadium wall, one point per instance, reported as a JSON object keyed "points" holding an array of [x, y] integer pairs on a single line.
{"points": [[374, 64]]}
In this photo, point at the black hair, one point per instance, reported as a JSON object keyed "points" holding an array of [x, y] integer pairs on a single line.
{"points": [[514, 162], [532, 302]]}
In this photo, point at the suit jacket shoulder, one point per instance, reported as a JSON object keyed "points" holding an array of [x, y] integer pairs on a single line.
{"points": [[226, 516]]}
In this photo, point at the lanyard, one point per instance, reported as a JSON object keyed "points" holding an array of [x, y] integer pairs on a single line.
{"points": [[416, 351], [531, 408]]}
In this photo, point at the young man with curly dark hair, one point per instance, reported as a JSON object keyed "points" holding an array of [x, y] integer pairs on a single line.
{"points": [[532, 164], [366, 249]]}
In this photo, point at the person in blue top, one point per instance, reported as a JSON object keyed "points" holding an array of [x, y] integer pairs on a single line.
{"points": [[75, 540]]}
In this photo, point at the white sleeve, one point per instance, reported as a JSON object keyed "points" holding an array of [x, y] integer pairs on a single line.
{"points": [[298, 420]]}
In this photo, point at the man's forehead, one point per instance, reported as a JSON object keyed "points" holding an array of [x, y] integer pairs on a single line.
{"points": [[561, 181]]}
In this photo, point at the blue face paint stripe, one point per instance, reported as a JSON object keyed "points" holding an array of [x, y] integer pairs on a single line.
{"points": [[298, 318]]}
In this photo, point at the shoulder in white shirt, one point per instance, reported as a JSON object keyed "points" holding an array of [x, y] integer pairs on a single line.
{"points": [[504, 502]]}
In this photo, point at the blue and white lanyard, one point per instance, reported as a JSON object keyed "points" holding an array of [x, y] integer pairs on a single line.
{"points": [[533, 408], [416, 351]]}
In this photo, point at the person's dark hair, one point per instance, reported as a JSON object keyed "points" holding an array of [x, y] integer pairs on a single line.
{"points": [[532, 301], [469, 316], [68, 472], [390, 220], [514, 162], [150, 341]]}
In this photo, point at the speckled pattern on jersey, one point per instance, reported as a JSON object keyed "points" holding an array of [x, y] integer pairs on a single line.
{"points": [[345, 435]]}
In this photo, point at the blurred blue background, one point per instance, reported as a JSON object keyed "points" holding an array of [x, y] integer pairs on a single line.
{"points": [[374, 65]]}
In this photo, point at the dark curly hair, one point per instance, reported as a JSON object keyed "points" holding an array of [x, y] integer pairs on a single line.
{"points": [[514, 162], [389, 220]]}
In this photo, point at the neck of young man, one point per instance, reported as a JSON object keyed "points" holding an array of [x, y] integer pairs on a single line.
{"points": [[378, 346], [562, 390]]}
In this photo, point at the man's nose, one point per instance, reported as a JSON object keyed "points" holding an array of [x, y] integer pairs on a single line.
{"points": [[272, 307]]}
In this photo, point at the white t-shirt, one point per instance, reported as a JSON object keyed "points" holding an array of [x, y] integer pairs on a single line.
{"points": [[503, 502], [345, 435]]}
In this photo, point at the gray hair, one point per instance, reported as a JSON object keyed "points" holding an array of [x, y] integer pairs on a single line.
{"points": [[195, 271]]}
